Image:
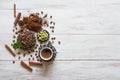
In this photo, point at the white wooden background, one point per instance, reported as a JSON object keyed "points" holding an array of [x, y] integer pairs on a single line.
{"points": [[89, 31]]}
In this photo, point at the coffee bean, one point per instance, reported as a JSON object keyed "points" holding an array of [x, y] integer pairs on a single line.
{"points": [[11, 44], [29, 59], [53, 27], [24, 55], [51, 22], [32, 50], [13, 41], [54, 23], [54, 38], [19, 57], [13, 62], [52, 42], [38, 60], [30, 55], [49, 43], [37, 13], [13, 30], [36, 54], [41, 12], [29, 52], [50, 16], [33, 58], [16, 33], [16, 28], [50, 27], [52, 31], [18, 53], [59, 42], [14, 36], [37, 45], [36, 51]]}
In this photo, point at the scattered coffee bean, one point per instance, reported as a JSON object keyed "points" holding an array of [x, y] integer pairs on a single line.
{"points": [[37, 45], [36, 51], [40, 45], [51, 22], [53, 27], [16, 33], [30, 55], [33, 58], [11, 44], [41, 12], [50, 16], [37, 13], [13, 62], [49, 43], [52, 31], [38, 60], [35, 54], [29, 52], [16, 28], [54, 38], [52, 42], [29, 59], [13, 30], [24, 55], [14, 36], [59, 42], [54, 23], [19, 57], [13, 41], [18, 53], [32, 50]]}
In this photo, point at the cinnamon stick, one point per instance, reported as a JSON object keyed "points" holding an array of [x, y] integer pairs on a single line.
{"points": [[14, 10], [35, 63], [26, 66], [10, 50], [17, 19]]}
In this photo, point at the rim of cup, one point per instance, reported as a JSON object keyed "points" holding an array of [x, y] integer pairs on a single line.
{"points": [[43, 57]]}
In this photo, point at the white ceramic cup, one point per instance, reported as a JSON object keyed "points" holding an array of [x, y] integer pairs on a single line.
{"points": [[42, 52]]}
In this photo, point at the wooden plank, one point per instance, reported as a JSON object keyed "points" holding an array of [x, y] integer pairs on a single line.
{"points": [[76, 46], [61, 70], [53, 4], [82, 17], [89, 34]]}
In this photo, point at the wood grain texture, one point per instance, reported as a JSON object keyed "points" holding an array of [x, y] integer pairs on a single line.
{"points": [[82, 17], [89, 33], [78, 47], [72, 70]]}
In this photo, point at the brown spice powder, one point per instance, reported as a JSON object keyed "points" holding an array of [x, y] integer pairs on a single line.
{"points": [[33, 22]]}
